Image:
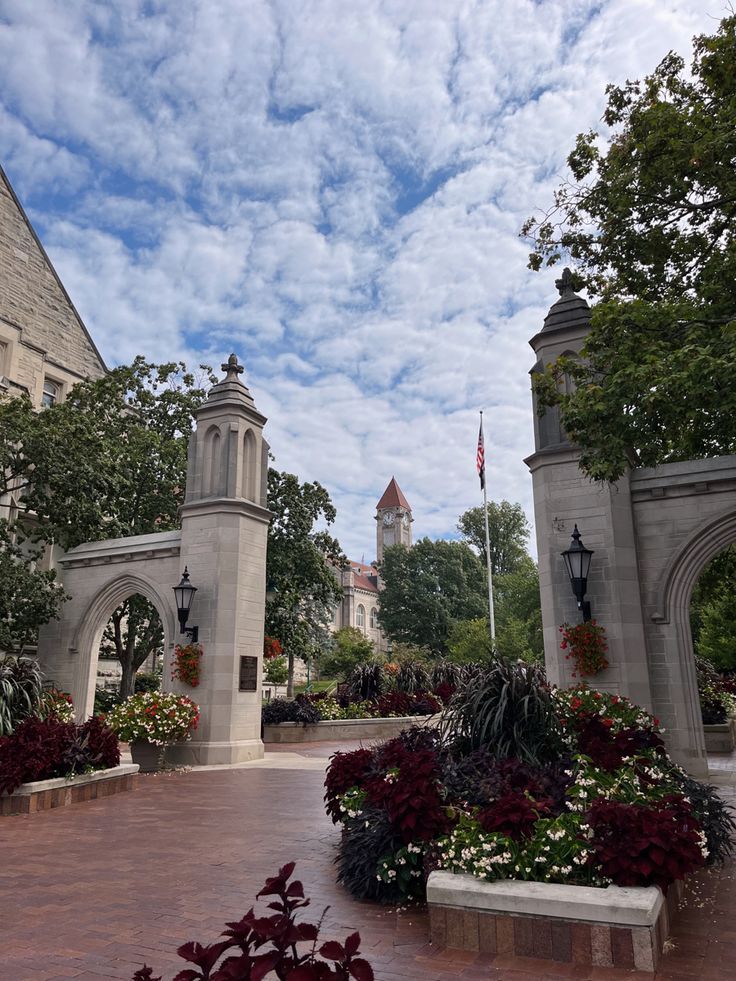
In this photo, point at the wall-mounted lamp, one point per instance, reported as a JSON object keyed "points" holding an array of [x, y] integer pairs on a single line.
{"points": [[577, 561], [184, 594]]}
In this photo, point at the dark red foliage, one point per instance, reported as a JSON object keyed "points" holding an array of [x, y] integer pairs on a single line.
{"points": [[102, 744], [40, 749], [514, 815], [393, 703], [256, 946], [645, 844], [444, 691], [36, 750], [411, 797], [607, 750], [424, 703], [346, 770]]}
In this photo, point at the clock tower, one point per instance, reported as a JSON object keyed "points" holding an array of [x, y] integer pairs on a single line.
{"points": [[393, 520]]}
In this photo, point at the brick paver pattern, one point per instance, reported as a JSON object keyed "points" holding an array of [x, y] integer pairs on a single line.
{"points": [[93, 890]]}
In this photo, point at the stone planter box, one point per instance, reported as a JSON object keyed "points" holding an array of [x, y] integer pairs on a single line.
{"points": [[42, 795], [296, 732], [720, 738], [582, 925]]}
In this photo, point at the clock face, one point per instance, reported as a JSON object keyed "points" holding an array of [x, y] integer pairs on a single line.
{"points": [[406, 520], [389, 518]]}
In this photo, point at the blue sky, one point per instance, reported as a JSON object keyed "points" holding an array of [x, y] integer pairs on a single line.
{"points": [[333, 191]]}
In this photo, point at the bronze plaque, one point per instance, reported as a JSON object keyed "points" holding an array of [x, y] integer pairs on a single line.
{"points": [[248, 674]]}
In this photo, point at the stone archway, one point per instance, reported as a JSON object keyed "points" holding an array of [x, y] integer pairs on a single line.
{"points": [[224, 525], [652, 532], [99, 576], [95, 618]]}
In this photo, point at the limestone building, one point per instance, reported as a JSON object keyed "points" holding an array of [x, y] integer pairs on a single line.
{"points": [[44, 346], [360, 582]]}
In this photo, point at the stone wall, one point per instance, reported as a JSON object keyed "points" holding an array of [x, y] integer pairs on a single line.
{"points": [[41, 333]]}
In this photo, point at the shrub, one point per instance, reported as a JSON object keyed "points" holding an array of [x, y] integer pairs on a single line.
{"points": [[366, 840], [444, 672], [301, 709], [711, 812], [21, 691], [105, 701], [513, 815], [159, 718], [346, 770], [412, 677], [147, 681], [366, 682], [646, 845], [35, 751], [506, 707], [41, 749], [715, 705], [56, 703], [256, 946], [444, 692], [393, 703], [102, 743], [411, 795], [277, 671]]}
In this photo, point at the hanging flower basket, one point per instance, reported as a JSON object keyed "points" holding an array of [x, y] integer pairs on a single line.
{"points": [[586, 645], [186, 667]]}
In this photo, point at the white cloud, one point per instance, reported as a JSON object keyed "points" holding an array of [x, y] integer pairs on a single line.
{"points": [[332, 190]]}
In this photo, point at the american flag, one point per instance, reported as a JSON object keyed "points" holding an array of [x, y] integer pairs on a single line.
{"points": [[480, 457]]}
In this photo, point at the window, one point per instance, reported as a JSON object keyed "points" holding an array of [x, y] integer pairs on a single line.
{"points": [[374, 619], [51, 392], [360, 616]]}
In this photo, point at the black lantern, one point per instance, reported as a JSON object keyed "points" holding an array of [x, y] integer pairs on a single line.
{"points": [[577, 561], [184, 594]]}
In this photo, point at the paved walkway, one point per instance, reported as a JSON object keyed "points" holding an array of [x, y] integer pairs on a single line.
{"points": [[94, 890]]}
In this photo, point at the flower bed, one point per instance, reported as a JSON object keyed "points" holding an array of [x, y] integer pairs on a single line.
{"points": [[339, 729], [154, 717], [44, 749], [42, 795], [525, 784]]}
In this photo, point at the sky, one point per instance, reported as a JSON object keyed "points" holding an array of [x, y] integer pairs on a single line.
{"points": [[332, 190]]}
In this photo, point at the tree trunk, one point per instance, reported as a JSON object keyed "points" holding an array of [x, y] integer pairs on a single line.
{"points": [[127, 681], [290, 680]]}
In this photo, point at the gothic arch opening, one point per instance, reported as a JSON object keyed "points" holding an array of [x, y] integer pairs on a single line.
{"points": [[212, 463], [110, 600], [713, 629], [677, 587], [250, 466]]}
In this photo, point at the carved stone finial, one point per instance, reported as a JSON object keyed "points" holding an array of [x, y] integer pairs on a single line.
{"points": [[564, 283], [231, 368]]}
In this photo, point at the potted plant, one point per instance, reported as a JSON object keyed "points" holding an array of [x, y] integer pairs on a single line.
{"points": [[152, 720]]}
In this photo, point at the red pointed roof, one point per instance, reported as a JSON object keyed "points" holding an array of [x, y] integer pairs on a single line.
{"points": [[393, 497]]}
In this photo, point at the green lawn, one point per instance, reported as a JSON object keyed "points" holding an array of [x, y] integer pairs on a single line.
{"points": [[323, 685]]}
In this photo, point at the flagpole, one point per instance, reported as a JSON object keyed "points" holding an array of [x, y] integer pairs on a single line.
{"points": [[491, 615]]}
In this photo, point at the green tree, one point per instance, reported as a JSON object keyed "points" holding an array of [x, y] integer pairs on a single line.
{"points": [[650, 222], [133, 633], [469, 641], [109, 462], [508, 532], [713, 611], [303, 588], [29, 596], [427, 588], [349, 648], [519, 613]]}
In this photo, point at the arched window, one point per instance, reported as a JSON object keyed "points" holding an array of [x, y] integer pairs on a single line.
{"points": [[360, 616], [211, 474], [248, 487], [51, 392], [374, 618]]}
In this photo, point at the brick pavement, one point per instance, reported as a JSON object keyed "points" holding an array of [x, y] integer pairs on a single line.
{"points": [[94, 890]]}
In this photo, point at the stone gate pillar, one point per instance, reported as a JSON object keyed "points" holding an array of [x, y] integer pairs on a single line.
{"points": [[563, 497], [223, 544]]}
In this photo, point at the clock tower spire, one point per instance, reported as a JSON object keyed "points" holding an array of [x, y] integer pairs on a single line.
{"points": [[393, 520]]}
